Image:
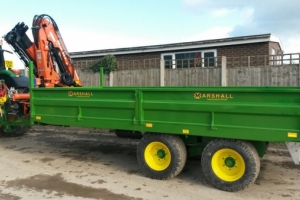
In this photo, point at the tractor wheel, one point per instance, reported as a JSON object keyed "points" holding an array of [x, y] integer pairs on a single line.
{"points": [[230, 165], [15, 131], [161, 156]]}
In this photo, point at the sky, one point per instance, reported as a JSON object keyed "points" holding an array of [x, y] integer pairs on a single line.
{"points": [[104, 24]]}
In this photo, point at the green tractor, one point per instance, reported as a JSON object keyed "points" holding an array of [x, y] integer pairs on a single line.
{"points": [[11, 81]]}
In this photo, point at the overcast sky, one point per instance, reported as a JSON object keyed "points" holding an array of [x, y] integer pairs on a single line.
{"points": [[92, 25]]}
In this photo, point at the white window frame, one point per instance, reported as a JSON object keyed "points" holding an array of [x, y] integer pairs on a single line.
{"points": [[202, 55]]}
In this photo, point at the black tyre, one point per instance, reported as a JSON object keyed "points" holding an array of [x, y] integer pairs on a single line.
{"points": [[161, 156], [16, 131], [230, 165], [128, 134]]}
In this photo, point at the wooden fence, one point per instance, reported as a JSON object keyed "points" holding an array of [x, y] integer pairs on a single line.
{"points": [[89, 78], [284, 73]]}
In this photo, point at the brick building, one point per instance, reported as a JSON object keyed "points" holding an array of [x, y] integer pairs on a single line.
{"points": [[205, 53]]}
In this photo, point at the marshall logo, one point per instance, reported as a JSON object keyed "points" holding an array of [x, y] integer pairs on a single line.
{"points": [[213, 96], [197, 95], [80, 94]]}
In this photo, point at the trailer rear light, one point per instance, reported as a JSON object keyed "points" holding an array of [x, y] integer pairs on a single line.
{"points": [[292, 135]]}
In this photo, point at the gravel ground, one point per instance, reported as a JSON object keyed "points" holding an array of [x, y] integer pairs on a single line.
{"points": [[70, 163]]}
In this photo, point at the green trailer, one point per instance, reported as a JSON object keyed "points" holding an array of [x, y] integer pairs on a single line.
{"points": [[229, 127]]}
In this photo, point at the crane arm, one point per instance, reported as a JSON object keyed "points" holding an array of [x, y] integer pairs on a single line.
{"points": [[21, 44], [53, 65]]}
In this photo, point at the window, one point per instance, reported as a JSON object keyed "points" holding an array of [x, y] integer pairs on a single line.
{"points": [[168, 61], [209, 59], [190, 59], [185, 60]]}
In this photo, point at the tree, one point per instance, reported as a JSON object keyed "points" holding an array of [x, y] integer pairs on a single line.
{"points": [[108, 62]]}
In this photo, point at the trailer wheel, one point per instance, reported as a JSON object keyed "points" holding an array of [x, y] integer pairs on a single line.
{"points": [[15, 131], [161, 156], [230, 165]]}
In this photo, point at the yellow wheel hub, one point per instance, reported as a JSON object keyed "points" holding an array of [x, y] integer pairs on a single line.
{"points": [[157, 156], [228, 165]]}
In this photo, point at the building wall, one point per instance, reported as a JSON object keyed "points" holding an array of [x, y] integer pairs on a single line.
{"points": [[82, 63], [124, 61], [147, 60], [276, 47], [253, 49], [152, 60]]}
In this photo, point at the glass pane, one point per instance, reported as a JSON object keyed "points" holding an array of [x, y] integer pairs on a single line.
{"points": [[179, 56], [209, 60], [168, 57], [168, 61], [184, 60], [179, 60]]}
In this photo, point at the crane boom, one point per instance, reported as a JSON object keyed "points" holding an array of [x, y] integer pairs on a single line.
{"points": [[52, 63]]}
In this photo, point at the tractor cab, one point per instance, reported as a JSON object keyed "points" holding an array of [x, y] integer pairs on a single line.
{"points": [[12, 77]]}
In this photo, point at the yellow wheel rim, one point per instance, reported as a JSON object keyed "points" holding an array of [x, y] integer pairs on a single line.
{"points": [[228, 165], [157, 156]]}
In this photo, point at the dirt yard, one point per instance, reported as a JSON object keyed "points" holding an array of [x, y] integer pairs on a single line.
{"points": [[74, 164]]}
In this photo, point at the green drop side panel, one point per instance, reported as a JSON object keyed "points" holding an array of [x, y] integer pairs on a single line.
{"points": [[250, 113]]}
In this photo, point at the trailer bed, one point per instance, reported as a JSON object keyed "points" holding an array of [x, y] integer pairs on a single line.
{"points": [[248, 113]]}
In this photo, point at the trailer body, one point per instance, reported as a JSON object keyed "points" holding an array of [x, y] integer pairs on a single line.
{"points": [[248, 113]]}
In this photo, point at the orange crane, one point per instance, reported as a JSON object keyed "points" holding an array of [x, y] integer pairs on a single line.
{"points": [[53, 66]]}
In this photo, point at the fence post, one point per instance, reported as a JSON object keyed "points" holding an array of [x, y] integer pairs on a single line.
{"points": [[223, 71], [249, 61], [111, 79], [162, 72]]}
